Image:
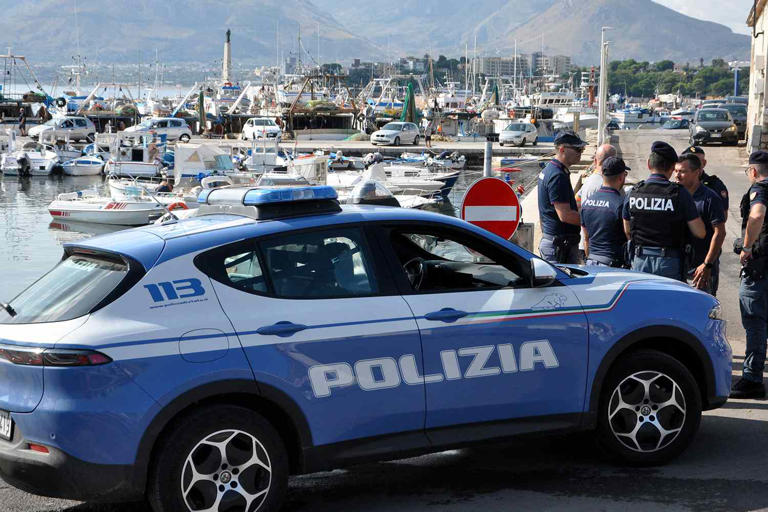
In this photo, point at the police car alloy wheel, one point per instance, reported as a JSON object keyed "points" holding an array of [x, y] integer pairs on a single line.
{"points": [[220, 459], [650, 408]]}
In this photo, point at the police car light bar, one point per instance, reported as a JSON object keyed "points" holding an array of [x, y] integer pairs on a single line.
{"points": [[248, 196]]}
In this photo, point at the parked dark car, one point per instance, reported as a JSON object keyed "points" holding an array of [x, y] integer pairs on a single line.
{"points": [[676, 124], [713, 125], [739, 114]]}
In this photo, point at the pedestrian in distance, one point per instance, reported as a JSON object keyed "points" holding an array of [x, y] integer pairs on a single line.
{"points": [[753, 289], [23, 123], [594, 181], [601, 220], [710, 180], [657, 215], [428, 129], [705, 255], [558, 213]]}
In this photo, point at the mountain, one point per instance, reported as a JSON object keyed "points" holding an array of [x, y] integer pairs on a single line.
{"points": [[644, 30], [193, 30], [182, 30]]}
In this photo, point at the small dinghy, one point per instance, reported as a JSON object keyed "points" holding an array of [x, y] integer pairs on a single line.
{"points": [[83, 166]]}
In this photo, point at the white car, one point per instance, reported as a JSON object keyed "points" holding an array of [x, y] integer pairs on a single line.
{"points": [[261, 128], [172, 127], [519, 134], [61, 128], [396, 134]]}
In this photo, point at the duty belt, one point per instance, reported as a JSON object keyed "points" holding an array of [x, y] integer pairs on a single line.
{"points": [[664, 252], [605, 260]]}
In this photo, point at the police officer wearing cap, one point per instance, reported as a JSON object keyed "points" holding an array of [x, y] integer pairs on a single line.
{"points": [[558, 212], [710, 181], [753, 291], [705, 256], [601, 218], [656, 213]]}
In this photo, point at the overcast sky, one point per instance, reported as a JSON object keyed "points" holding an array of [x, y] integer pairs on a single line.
{"points": [[731, 13]]}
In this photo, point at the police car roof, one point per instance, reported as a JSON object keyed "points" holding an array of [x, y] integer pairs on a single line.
{"points": [[152, 245]]}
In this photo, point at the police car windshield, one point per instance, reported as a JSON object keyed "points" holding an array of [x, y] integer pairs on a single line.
{"points": [[72, 289]]}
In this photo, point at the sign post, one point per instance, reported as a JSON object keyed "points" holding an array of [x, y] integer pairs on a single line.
{"points": [[492, 204]]}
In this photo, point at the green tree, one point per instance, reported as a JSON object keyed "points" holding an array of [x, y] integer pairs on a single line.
{"points": [[664, 65]]}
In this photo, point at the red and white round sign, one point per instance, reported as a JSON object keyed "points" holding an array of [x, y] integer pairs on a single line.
{"points": [[491, 203]]}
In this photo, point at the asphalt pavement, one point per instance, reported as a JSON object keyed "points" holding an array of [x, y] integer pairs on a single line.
{"points": [[724, 468]]}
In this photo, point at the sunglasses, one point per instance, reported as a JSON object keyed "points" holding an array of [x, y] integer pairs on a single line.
{"points": [[746, 171]]}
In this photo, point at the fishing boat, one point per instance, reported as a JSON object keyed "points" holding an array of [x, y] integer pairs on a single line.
{"points": [[90, 206], [83, 166]]}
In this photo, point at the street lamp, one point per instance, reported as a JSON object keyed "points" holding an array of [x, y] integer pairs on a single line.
{"points": [[601, 108]]}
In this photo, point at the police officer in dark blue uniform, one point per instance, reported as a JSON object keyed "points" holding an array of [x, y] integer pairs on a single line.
{"points": [[657, 216], [710, 181], [705, 257], [558, 212], [753, 291], [601, 217]]}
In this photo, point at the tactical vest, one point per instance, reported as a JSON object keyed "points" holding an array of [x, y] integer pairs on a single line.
{"points": [[713, 182], [760, 247], [656, 215]]}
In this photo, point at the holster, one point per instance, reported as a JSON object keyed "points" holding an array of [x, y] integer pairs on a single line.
{"points": [[563, 247]]}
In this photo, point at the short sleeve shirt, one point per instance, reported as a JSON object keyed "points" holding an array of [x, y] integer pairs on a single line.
{"points": [[758, 195], [555, 187], [686, 201], [601, 217], [719, 188], [709, 206]]}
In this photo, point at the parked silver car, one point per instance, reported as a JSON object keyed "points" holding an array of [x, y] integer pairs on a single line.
{"points": [[396, 134], [172, 127], [519, 133], [61, 128]]}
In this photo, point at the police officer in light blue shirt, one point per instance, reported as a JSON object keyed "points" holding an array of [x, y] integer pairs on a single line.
{"points": [[558, 213], [657, 216], [601, 217]]}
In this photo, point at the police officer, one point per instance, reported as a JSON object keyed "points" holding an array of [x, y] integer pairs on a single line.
{"points": [[710, 180], [558, 212], [705, 255], [656, 212], [753, 291], [601, 218]]}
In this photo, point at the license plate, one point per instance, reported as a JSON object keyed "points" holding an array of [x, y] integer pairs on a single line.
{"points": [[6, 426], [714, 134]]}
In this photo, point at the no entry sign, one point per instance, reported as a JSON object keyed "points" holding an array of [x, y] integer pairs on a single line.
{"points": [[491, 203]]}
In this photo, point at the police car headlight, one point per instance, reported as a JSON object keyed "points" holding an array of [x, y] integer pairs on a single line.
{"points": [[716, 313], [731, 128], [700, 129]]}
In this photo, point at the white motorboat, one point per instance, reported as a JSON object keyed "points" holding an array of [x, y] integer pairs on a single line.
{"points": [[344, 181], [89, 206], [408, 179], [25, 162], [83, 166], [445, 159], [132, 169]]}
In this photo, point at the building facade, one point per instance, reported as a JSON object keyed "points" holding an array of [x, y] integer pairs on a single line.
{"points": [[757, 122], [501, 66]]}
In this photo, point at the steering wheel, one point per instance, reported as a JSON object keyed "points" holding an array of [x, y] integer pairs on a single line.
{"points": [[416, 269]]}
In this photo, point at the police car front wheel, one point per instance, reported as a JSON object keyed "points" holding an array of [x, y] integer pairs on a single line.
{"points": [[650, 408], [222, 458]]}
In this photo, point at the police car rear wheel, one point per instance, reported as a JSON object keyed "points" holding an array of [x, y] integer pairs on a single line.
{"points": [[650, 409], [220, 459]]}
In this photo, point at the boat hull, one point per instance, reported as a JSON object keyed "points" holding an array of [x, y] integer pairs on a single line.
{"points": [[106, 212]]}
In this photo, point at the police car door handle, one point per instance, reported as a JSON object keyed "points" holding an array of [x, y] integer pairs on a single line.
{"points": [[282, 329], [447, 315]]}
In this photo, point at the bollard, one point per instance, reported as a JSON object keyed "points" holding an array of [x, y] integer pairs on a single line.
{"points": [[489, 140]]}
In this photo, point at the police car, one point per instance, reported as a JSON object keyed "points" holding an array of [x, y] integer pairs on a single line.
{"points": [[198, 363]]}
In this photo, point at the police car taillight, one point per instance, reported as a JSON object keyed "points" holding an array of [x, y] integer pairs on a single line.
{"points": [[29, 356]]}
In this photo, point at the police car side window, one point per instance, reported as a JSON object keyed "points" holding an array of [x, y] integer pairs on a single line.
{"points": [[316, 265], [236, 265], [441, 262]]}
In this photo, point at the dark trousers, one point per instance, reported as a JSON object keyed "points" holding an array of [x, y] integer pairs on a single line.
{"points": [[753, 302]]}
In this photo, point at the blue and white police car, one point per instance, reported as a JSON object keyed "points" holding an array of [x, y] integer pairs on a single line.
{"points": [[197, 364]]}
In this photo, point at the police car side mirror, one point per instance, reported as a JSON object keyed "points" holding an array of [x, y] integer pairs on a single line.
{"points": [[542, 273]]}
